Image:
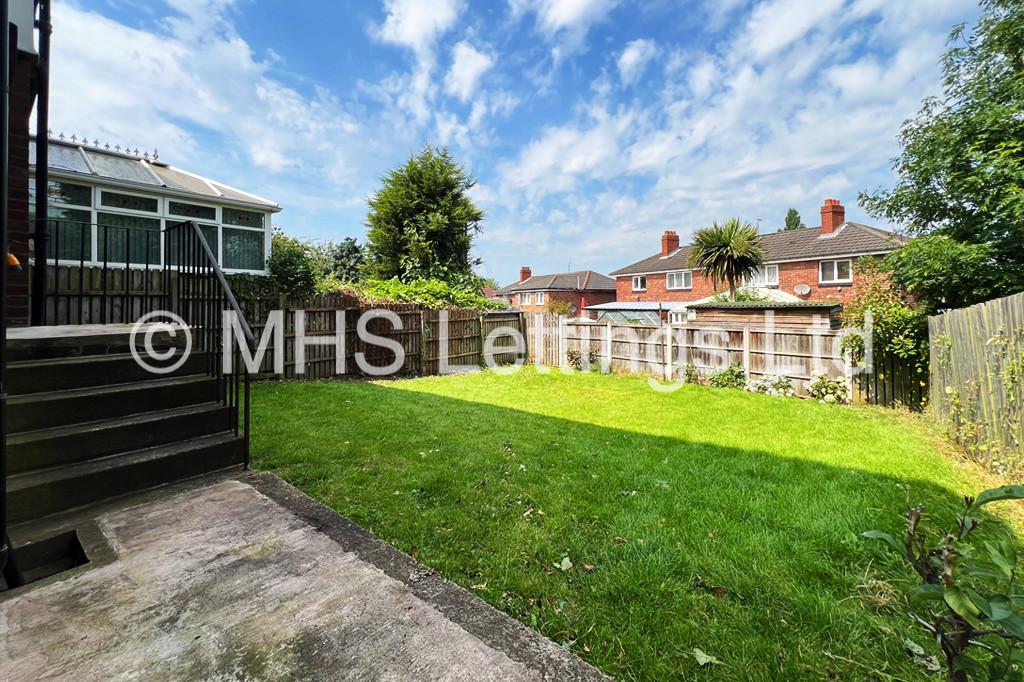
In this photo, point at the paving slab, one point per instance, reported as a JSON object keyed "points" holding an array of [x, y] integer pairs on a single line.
{"points": [[223, 582]]}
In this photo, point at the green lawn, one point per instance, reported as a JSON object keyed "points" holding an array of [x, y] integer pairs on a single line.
{"points": [[711, 518]]}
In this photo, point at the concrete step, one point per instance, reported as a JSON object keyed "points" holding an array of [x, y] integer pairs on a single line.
{"points": [[34, 494], [49, 447], [79, 405], [55, 374]]}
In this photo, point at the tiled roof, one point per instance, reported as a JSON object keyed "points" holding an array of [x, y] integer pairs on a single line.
{"points": [[849, 239], [94, 163], [586, 280]]}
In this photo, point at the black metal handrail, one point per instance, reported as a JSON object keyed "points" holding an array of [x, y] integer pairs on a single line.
{"points": [[196, 290]]}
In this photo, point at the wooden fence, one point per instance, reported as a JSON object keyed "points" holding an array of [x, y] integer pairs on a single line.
{"points": [[88, 295], [664, 350], [421, 334], [977, 364]]}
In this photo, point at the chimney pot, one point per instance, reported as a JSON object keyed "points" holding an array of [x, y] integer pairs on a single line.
{"points": [[669, 242], [832, 216], [524, 274]]}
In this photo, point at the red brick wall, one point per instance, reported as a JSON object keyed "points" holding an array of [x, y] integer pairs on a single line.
{"points": [[790, 275], [22, 99], [573, 298]]}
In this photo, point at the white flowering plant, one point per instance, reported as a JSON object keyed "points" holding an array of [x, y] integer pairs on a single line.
{"points": [[771, 384], [825, 389]]}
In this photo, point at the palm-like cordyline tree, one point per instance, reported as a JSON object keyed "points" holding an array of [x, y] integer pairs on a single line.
{"points": [[727, 252]]}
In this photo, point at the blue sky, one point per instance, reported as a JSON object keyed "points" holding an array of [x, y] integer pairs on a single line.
{"points": [[591, 125]]}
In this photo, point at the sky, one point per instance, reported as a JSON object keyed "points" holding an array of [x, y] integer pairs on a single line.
{"points": [[591, 126]]}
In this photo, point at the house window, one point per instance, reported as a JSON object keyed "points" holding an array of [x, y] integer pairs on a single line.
{"points": [[678, 280], [525, 299], [835, 272], [539, 299], [640, 283], [764, 277], [678, 318]]}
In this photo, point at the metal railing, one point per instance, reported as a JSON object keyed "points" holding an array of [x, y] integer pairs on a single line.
{"points": [[197, 291], [101, 274]]}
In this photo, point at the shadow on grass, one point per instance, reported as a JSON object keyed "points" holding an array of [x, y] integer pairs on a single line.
{"points": [[675, 544]]}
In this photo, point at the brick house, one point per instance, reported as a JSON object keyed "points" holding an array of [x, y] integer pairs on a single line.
{"points": [[579, 289], [811, 264]]}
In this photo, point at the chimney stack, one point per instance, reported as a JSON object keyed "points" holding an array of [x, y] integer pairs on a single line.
{"points": [[669, 242], [832, 216], [524, 274]]}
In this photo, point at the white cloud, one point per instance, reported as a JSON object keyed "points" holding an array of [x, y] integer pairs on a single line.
{"points": [[417, 24], [634, 59], [776, 24], [569, 18], [468, 65]]}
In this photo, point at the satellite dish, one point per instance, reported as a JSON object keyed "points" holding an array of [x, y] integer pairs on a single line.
{"points": [[572, 309], [802, 289]]}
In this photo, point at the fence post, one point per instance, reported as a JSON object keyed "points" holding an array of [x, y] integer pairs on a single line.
{"points": [[563, 344], [480, 360], [608, 349], [423, 342], [667, 348], [746, 351]]}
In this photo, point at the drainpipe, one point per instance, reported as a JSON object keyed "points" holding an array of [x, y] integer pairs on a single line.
{"points": [[42, 233]]}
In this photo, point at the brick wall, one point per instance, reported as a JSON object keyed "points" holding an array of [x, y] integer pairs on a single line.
{"points": [[790, 275], [22, 99], [573, 298]]}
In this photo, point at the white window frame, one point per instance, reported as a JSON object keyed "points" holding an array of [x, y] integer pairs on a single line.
{"points": [[636, 279], [678, 318], [166, 220], [538, 298], [526, 298], [685, 274], [768, 282], [835, 269]]}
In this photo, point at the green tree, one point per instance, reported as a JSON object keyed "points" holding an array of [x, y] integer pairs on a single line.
{"points": [[793, 221], [422, 222], [727, 252], [346, 258], [942, 272], [961, 164], [295, 265]]}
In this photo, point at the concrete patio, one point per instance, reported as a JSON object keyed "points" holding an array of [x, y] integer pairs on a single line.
{"points": [[245, 578]]}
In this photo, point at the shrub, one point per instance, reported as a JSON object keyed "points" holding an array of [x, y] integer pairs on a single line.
{"points": [[558, 308], [692, 375], [429, 293], [575, 358], [968, 599], [824, 389], [730, 377], [771, 384]]}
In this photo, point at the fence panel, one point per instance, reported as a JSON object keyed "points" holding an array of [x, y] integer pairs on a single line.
{"points": [[977, 365], [800, 354]]}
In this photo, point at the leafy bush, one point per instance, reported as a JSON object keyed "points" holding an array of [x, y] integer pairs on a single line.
{"points": [[898, 328], [730, 377], [825, 389], [558, 308], [575, 358], [968, 601], [692, 375], [294, 265], [429, 293], [771, 384]]}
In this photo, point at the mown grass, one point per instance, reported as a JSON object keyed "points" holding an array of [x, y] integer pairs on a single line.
{"points": [[712, 519]]}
